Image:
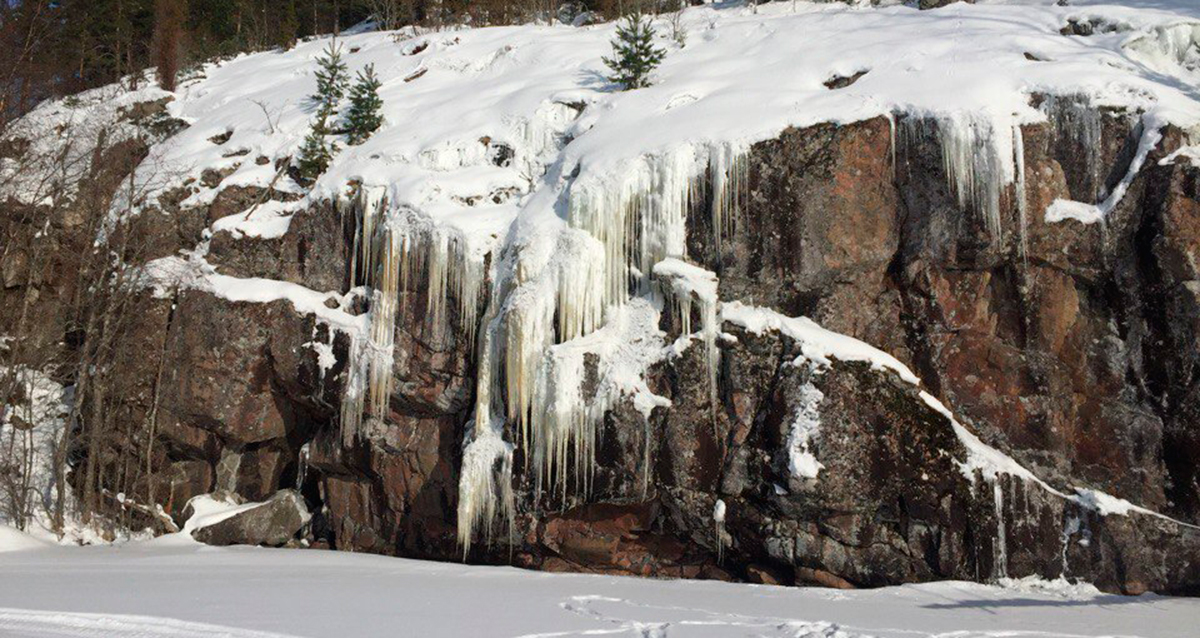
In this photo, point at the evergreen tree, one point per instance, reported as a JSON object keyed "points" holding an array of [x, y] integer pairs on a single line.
{"points": [[288, 23], [168, 35], [364, 116], [316, 152], [634, 53], [331, 81]]}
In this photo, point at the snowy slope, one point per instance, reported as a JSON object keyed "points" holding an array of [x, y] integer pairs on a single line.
{"points": [[741, 78], [172, 589]]}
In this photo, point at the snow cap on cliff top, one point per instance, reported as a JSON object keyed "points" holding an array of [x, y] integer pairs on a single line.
{"points": [[473, 118]]}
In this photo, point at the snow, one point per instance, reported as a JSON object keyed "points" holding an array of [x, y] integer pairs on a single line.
{"points": [[806, 424], [1059, 587], [1063, 209], [208, 510], [63, 136], [982, 458], [13, 539], [270, 220], [817, 344], [190, 590], [46, 410], [30, 432], [1107, 504], [193, 273], [1189, 153], [743, 77]]}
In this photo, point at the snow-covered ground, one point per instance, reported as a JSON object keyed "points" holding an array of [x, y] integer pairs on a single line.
{"points": [[175, 588]]}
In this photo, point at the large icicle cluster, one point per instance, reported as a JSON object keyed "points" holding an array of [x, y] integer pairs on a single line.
{"points": [[640, 214], [575, 318], [395, 247], [978, 157]]}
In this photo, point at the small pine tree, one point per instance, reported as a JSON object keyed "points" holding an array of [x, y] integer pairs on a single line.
{"points": [[364, 116], [634, 53], [316, 153], [331, 80]]}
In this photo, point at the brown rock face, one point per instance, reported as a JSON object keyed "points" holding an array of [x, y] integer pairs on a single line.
{"points": [[1032, 336]]}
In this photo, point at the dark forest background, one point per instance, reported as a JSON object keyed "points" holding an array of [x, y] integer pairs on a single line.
{"points": [[57, 47]]}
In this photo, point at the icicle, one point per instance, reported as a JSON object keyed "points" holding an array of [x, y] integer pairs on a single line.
{"points": [[1070, 529], [891, 118], [480, 486], [1000, 552], [1073, 118], [302, 465], [1019, 160], [354, 395], [719, 523], [393, 247], [730, 170], [370, 356], [646, 460], [565, 422], [640, 216], [688, 288], [388, 279], [978, 163], [528, 329]]}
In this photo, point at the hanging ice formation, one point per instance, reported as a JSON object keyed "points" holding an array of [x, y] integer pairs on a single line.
{"points": [[1019, 167], [1000, 546], [1080, 123], [393, 248], [978, 156], [557, 351], [640, 215], [687, 288], [719, 523]]}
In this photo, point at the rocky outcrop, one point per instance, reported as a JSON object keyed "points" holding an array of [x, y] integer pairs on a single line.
{"points": [[1067, 346]]}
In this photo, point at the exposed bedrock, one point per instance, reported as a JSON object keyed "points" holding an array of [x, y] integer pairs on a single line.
{"points": [[1071, 347]]}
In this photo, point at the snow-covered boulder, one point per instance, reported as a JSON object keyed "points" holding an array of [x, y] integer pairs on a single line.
{"points": [[223, 521]]}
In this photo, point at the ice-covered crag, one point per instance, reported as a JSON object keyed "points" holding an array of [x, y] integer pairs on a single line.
{"points": [[541, 320]]}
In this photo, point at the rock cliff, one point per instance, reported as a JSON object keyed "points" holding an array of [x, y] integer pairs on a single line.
{"points": [[1029, 376]]}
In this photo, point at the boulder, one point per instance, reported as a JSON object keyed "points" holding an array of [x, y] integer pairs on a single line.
{"points": [[273, 522]]}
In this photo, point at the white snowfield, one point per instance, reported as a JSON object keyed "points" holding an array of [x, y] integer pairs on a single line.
{"points": [[174, 588]]}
